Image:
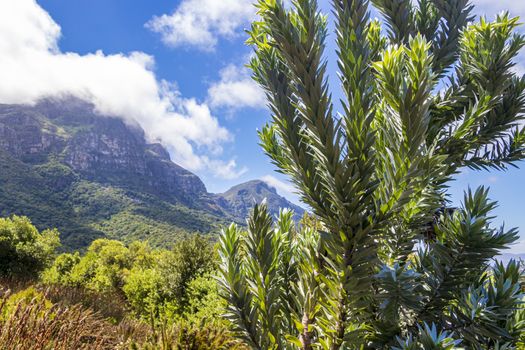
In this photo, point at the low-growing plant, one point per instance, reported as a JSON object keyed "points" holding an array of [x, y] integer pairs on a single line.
{"points": [[39, 325]]}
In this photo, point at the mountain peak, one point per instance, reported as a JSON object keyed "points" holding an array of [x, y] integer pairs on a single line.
{"points": [[241, 198], [258, 186]]}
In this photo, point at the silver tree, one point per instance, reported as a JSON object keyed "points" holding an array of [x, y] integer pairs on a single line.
{"points": [[427, 93]]}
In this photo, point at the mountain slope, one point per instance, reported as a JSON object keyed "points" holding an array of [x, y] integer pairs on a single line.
{"points": [[93, 176], [240, 199], [101, 149], [23, 191]]}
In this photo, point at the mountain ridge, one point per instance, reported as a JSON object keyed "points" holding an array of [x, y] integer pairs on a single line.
{"points": [[101, 174], [242, 196]]}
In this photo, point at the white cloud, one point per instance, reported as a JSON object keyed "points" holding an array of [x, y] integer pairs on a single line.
{"points": [[201, 23], [227, 170], [235, 90], [32, 67]]}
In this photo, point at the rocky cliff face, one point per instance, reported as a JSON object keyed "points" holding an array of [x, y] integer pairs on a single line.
{"points": [[24, 136], [98, 148]]}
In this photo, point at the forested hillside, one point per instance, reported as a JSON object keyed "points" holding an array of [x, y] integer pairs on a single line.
{"points": [[92, 176]]}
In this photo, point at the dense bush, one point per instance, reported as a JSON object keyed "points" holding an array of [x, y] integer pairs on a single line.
{"points": [[151, 281], [24, 251], [204, 303]]}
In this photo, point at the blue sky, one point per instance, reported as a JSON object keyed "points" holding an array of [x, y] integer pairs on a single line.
{"points": [[175, 67]]}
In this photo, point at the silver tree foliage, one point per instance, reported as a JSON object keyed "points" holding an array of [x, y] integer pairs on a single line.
{"points": [[386, 265]]}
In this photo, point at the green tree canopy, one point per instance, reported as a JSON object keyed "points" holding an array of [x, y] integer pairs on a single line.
{"points": [[152, 281], [24, 252]]}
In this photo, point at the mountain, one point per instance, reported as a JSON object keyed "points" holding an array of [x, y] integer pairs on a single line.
{"points": [[239, 199], [91, 176]]}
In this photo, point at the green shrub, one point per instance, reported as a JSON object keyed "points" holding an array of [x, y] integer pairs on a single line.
{"points": [[60, 270], [25, 252], [152, 281], [142, 290], [204, 301], [190, 258]]}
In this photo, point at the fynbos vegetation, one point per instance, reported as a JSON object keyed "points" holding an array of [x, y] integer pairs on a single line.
{"points": [[112, 297], [389, 266], [383, 260]]}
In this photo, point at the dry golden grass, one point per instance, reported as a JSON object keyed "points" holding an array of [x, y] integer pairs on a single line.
{"points": [[111, 306], [36, 325], [29, 321]]}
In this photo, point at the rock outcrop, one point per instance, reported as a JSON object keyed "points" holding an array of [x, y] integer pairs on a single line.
{"points": [[98, 148]]}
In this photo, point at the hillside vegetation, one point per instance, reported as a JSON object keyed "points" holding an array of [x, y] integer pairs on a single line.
{"points": [[112, 297], [92, 176], [85, 210]]}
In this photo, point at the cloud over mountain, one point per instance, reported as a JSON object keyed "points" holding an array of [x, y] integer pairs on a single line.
{"points": [[32, 67]]}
